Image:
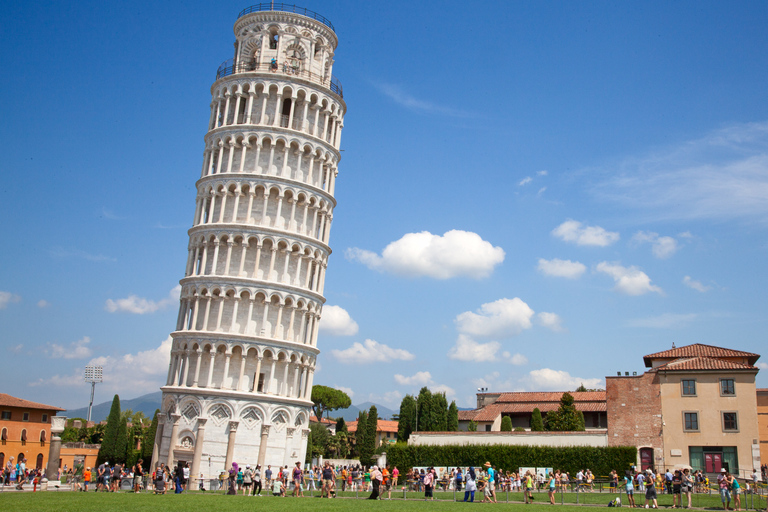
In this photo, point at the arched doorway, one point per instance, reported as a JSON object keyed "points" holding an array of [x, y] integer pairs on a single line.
{"points": [[39, 463]]}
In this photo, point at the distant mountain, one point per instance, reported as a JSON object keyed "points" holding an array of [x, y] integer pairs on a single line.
{"points": [[146, 404]]}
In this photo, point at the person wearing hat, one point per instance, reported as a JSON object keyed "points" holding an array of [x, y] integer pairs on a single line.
{"points": [[725, 491], [650, 490], [491, 481], [247, 479]]}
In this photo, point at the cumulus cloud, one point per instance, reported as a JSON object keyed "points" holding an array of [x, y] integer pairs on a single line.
{"points": [[146, 371], [525, 181], [393, 397], [371, 351], [467, 349], [695, 285], [629, 280], [347, 390], [442, 388], [574, 231], [550, 321], [142, 306], [8, 298], [515, 359], [337, 322], [661, 246], [454, 254], [418, 379], [501, 319], [721, 175], [76, 350], [561, 268], [762, 366], [547, 379], [664, 321]]}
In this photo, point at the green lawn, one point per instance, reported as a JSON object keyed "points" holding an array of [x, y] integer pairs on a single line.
{"points": [[103, 502]]}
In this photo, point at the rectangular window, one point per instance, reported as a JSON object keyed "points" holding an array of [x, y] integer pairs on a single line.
{"points": [[691, 420], [45, 418], [25, 416], [6, 415], [727, 387], [730, 422], [487, 428], [260, 387], [689, 387]]}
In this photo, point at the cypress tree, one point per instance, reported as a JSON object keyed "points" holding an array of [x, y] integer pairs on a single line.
{"points": [[109, 442], [537, 423], [506, 424], [148, 441], [360, 436], [453, 417], [406, 419], [371, 426], [424, 404], [439, 412], [121, 445], [472, 427]]}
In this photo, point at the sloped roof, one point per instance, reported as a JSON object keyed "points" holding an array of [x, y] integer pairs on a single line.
{"points": [[700, 350], [325, 421], [468, 415], [551, 396], [517, 403], [381, 426], [12, 401], [701, 363]]}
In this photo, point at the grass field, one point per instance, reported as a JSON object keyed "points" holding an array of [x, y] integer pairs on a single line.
{"points": [[86, 502]]}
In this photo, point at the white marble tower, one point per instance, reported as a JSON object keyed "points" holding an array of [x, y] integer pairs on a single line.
{"points": [[245, 344]]}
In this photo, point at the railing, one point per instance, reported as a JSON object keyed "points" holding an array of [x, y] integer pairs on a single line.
{"points": [[272, 6], [228, 68]]}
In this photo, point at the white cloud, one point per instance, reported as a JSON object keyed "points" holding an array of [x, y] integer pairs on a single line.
{"points": [[43, 303], [542, 173], [418, 379], [405, 99], [541, 191], [467, 349], [561, 268], [8, 298], [574, 231], [337, 322], [516, 359], [393, 397], [525, 181], [550, 321], [664, 321], [76, 350], [16, 349], [442, 388], [371, 351], [145, 371], [629, 280], [502, 319], [722, 175], [142, 306], [696, 285], [347, 390], [454, 254], [662, 246], [547, 379], [762, 366]]}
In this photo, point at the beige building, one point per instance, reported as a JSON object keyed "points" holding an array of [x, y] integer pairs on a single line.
{"points": [[762, 423], [708, 408]]}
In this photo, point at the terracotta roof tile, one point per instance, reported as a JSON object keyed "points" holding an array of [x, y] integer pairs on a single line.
{"points": [[468, 415], [12, 401], [700, 350], [551, 396], [381, 426], [702, 363]]}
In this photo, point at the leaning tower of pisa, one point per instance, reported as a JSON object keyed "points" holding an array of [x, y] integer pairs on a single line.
{"points": [[245, 345]]}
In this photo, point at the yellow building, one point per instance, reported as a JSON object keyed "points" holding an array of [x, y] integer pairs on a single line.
{"points": [[708, 408], [762, 423]]}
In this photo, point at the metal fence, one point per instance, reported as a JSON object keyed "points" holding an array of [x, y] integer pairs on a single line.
{"points": [[229, 67]]}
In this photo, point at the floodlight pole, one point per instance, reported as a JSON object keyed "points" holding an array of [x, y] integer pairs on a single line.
{"points": [[93, 374], [90, 404]]}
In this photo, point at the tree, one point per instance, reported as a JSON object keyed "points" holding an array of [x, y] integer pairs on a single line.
{"points": [[565, 418], [581, 388], [406, 421], [360, 434], [537, 423], [317, 441], [424, 410], [506, 424], [472, 427], [581, 424], [371, 426], [439, 413], [341, 425], [453, 417], [327, 399], [112, 440], [148, 440], [121, 444]]}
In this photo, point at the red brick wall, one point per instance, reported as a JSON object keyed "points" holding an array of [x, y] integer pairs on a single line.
{"points": [[634, 407]]}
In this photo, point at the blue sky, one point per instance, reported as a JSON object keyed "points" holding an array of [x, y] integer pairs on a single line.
{"points": [[531, 195]]}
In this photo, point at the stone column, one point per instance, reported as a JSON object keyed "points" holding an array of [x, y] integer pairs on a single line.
{"points": [[54, 450], [158, 441], [195, 470], [263, 444], [174, 439], [230, 445]]}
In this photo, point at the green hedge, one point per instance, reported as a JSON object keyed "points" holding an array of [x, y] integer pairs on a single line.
{"points": [[601, 460]]}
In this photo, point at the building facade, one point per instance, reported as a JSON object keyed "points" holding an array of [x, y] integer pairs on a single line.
{"points": [[245, 345], [762, 424], [25, 431]]}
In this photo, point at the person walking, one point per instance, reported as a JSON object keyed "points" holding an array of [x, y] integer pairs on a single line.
{"points": [[552, 486], [688, 486], [298, 476], [471, 485], [725, 491], [735, 491], [138, 474], [650, 490]]}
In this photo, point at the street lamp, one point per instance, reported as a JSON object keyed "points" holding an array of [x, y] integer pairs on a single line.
{"points": [[93, 374]]}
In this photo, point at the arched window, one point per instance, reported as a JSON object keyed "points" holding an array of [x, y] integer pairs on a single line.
{"points": [[42, 437], [2, 460], [39, 463], [4, 436], [24, 437]]}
